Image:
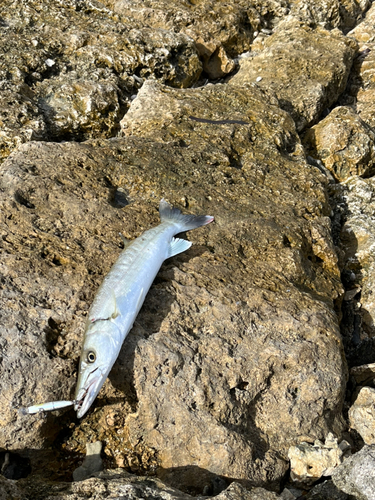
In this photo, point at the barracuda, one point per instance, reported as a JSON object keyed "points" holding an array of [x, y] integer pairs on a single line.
{"points": [[120, 298]]}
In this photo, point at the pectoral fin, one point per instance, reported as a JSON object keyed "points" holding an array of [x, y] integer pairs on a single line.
{"points": [[178, 245]]}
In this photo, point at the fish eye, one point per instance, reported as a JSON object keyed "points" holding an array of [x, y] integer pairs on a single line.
{"points": [[91, 356]]}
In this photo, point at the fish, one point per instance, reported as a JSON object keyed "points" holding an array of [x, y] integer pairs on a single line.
{"points": [[121, 296]]}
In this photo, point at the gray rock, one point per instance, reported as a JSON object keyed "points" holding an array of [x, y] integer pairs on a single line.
{"points": [[356, 476], [92, 462], [326, 491]]}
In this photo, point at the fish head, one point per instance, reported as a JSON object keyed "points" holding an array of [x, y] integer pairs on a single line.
{"points": [[99, 352]]}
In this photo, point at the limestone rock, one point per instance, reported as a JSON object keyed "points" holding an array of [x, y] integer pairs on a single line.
{"points": [[329, 14], [356, 476], [362, 414], [344, 143], [363, 32], [80, 109], [68, 70], [306, 68], [91, 464], [357, 240], [236, 354], [309, 462], [361, 87], [115, 484], [364, 374], [326, 490], [220, 31]]}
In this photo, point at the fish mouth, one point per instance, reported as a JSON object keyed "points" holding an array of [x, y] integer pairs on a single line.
{"points": [[87, 394]]}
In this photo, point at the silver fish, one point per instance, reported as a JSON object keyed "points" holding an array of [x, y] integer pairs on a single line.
{"points": [[121, 296]]}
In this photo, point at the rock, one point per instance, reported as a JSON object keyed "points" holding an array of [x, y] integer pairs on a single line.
{"points": [[92, 462], [69, 70], [236, 354], [288, 66], [364, 374], [362, 414], [112, 484], [326, 490], [309, 462], [357, 240], [344, 143], [118, 484], [332, 14], [361, 87], [13, 466], [356, 476], [237, 492], [220, 31], [81, 109]]}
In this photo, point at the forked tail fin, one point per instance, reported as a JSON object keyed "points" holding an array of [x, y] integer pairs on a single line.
{"points": [[186, 222]]}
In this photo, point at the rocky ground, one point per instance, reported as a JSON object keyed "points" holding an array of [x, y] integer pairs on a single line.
{"points": [[249, 373]]}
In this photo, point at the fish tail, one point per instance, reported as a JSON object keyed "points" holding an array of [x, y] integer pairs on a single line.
{"points": [[186, 222]]}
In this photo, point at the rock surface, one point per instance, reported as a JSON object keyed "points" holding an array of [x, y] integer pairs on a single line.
{"points": [[356, 476], [344, 143], [68, 70], [309, 462], [362, 414], [225, 329], [236, 355], [306, 68], [357, 240], [117, 484], [91, 464], [361, 88], [325, 491]]}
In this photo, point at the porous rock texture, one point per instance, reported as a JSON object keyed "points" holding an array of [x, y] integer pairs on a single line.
{"points": [[236, 354], [361, 86], [220, 360], [356, 476], [311, 70], [117, 484], [68, 69], [362, 414], [344, 143], [357, 241]]}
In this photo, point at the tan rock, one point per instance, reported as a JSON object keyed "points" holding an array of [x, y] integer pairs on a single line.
{"points": [[220, 31], [236, 352], [310, 462], [364, 31], [357, 241], [307, 69], [69, 73], [344, 143], [362, 414], [361, 86]]}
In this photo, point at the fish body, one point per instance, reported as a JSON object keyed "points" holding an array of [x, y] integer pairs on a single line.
{"points": [[121, 296]]}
